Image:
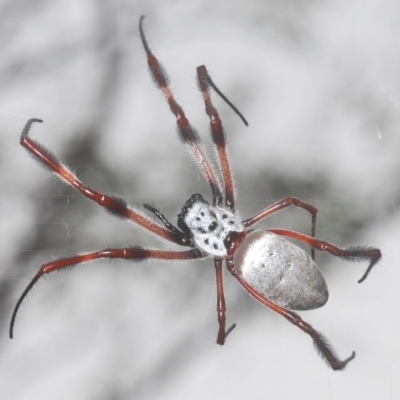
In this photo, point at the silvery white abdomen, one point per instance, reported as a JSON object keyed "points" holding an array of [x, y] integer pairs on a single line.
{"points": [[280, 271]]}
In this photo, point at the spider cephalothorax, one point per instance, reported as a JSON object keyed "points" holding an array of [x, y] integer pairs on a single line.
{"points": [[209, 226], [272, 270]]}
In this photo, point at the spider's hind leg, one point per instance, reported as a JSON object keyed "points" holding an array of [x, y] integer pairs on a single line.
{"points": [[355, 253], [321, 344]]}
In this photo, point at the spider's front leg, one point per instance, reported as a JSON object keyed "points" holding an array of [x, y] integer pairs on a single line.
{"points": [[127, 253], [187, 134]]}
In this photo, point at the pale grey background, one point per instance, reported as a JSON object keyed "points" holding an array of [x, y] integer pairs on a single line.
{"points": [[319, 83]]}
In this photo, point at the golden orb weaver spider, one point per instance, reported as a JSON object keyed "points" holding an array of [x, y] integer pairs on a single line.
{"points": [[272, 270]]}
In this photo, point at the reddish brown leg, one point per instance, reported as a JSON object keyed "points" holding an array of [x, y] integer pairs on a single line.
{"points": [[218, 137], [356, 253], [187, 133], [286, 202], [128, 253], [320, 342], [114, 204], [221, 308]]}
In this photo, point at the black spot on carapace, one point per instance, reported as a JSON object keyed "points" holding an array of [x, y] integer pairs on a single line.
{"points": [[212, 226]]}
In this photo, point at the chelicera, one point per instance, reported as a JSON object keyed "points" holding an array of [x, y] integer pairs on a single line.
{"points": [[271, 269]]}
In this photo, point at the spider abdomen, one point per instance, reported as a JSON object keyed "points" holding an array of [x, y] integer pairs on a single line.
{"points": [[280, 271]]}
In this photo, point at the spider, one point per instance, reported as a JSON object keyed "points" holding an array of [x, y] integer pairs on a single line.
{"points": [[271, 269]]}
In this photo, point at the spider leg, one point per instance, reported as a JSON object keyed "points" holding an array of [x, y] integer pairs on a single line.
{"points": [[353, 253], [221, 308], [127, 253], [320, 342], [220, 94], [279, 205], [187, 133], [164, 220], [114, 204], [218, 134]]}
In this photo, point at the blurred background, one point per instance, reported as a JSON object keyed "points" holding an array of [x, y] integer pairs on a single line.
{"points": [[319, 83]]}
